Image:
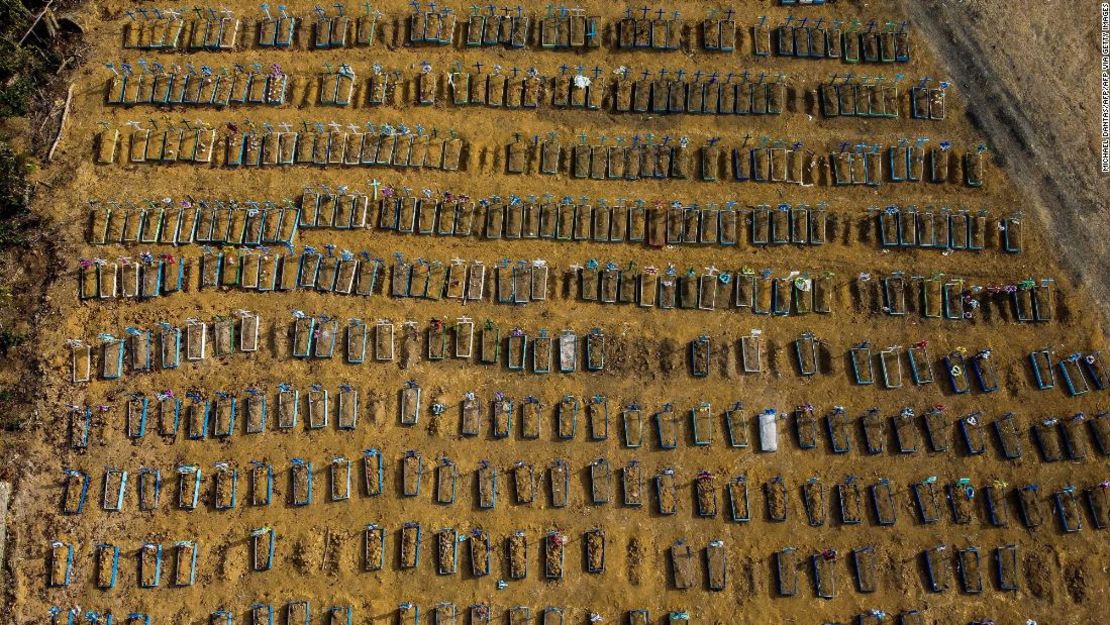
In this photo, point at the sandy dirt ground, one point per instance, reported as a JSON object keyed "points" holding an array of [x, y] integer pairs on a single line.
{"points": [[320, 548]]}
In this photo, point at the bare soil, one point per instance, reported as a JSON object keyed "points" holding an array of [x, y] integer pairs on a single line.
{"points": [[1022, 83]]}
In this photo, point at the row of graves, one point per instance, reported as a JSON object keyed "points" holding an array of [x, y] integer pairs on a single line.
{"points": [[443, 613], [693, 567], [762, 292], [168, 346], [647, 157], [765, 160], [317, 144], [561, 28], [541, 351], [202, 415], [272, 223], [697, 92]]}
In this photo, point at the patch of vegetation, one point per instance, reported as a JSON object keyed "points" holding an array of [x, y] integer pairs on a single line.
{"points": [[28, 71], [15, 98], [10, 339], [11, 415], [19, 66], [26, 66], [14, 197]]}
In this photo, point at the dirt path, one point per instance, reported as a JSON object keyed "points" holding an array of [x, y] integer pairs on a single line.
{"points": [[1043, 129]]}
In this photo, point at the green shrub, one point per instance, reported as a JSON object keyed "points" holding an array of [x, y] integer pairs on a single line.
{"points": [[15, 99], [13, 182], [14, 196], [19, 66], [9, 339]]}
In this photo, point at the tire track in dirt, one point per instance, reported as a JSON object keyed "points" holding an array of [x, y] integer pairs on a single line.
{"points": [[1065, 198]]}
